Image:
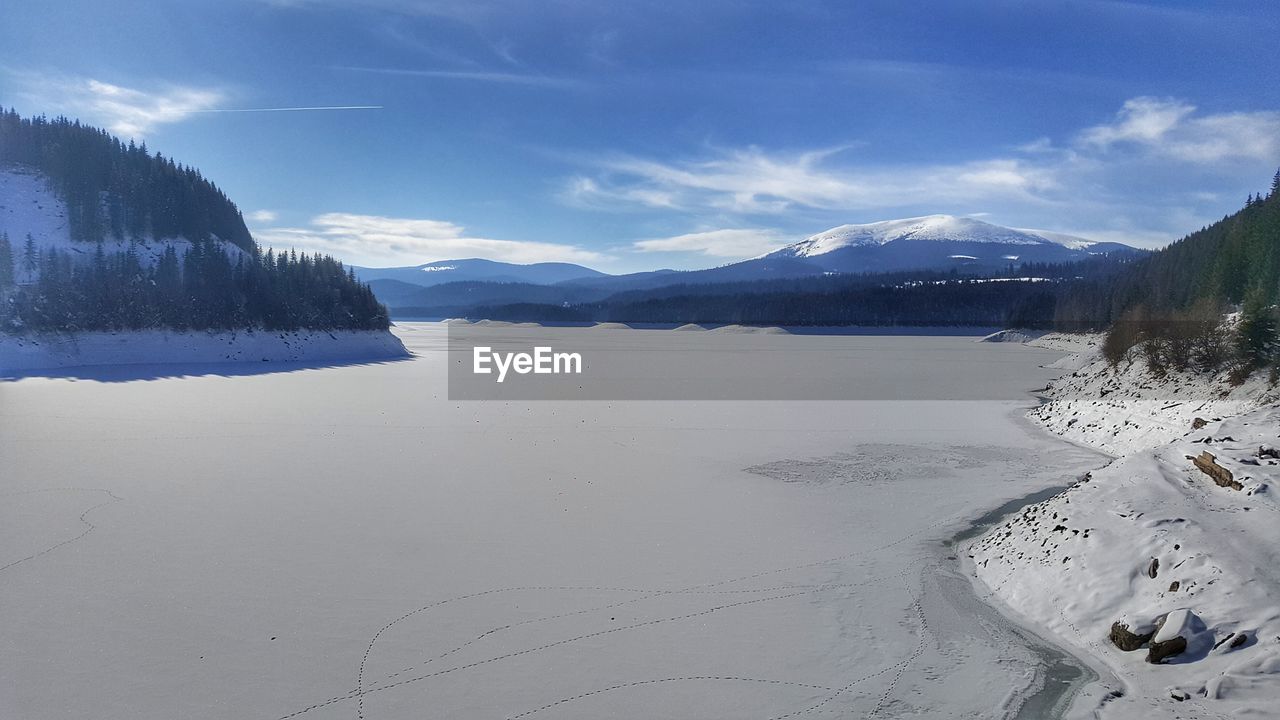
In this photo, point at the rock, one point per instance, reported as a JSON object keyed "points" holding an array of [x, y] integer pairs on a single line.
{"points": [[1154, 568], [1127, 640], [1207, 463], [1173, 586], [1198, 423], [1158, 652], [1266, 451], [1174, 632], [1240, 640]]}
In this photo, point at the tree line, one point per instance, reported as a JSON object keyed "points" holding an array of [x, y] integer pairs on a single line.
{"points": [[114, 189], [211, 286], [1171, 305], [1024, 295]]}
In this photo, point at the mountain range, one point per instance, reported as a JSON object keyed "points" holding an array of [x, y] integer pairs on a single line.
{"points": [[930, 243]]}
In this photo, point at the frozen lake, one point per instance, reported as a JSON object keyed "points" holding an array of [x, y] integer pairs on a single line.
{"points": [[349, 543]]}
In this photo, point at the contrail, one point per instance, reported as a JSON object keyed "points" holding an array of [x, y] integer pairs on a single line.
{"points": [[295, 109]]}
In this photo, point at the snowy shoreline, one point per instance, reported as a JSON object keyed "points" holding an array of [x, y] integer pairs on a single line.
{"points": [[1152, 534], [1064, 676], [36, 352]]}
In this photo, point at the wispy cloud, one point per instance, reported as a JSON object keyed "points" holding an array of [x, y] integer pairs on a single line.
{"points": [[377, 240], [130, 111], [505, 78], [729, 243], [1169, 128], [1154, 171], [126, 111], [753, 181], [295, 109], [262, 216]]}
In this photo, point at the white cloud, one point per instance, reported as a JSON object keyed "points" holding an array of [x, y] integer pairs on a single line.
{"points": [[375, 240], [125, 111], [262, 216], [1171, 129], [1157, 170], [752, 181], [724, 243], [1144, 120]]}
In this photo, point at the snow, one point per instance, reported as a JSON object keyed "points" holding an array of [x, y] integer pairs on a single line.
{"points": [[1012, 336], [748, 330], [1068, 241], [347, 542], [29, 206], [1122, 410], [611, 326], [1152, 538], [929, 227], [24, 354]]}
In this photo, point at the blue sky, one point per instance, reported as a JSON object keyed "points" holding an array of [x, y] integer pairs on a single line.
{"points": [[633, 135]]}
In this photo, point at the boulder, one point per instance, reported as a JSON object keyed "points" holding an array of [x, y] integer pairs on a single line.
{"points": [[1127, 640], [1158, 652], [1174, 633], [1208, 464], [1198, 423]]}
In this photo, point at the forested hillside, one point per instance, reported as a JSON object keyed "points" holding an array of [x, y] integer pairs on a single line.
{"points": [[208, 273], [1234, 260], [118, 190], [1172, 303], [199, 290]]}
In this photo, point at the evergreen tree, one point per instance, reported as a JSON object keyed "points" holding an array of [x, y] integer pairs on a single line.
{"points": [[144, 194], [217, 279], [6, 264], [30, 258], [1256, 336]]}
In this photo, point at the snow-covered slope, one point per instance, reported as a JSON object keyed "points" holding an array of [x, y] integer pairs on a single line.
{"points": [[31, 354], [1162, 530], [28, 206], [1124, 409], [936, 242], [946, 228]]}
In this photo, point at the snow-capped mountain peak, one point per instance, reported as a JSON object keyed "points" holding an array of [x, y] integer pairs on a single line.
{"points": [[942, 228]]}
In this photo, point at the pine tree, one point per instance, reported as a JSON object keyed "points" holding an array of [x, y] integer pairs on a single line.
{"points": [[30, 258], [6, 263], [1256, 336]]}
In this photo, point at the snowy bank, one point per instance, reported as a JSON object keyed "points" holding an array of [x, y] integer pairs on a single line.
{"points": [[45, 351], [1125, 409], [1163, 566]]}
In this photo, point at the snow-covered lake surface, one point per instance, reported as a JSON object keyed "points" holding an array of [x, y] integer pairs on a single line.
{"points": [[348, 543]]}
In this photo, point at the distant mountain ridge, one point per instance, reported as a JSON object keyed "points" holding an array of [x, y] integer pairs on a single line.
{"points": [[928, 243], [472, 269]]}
